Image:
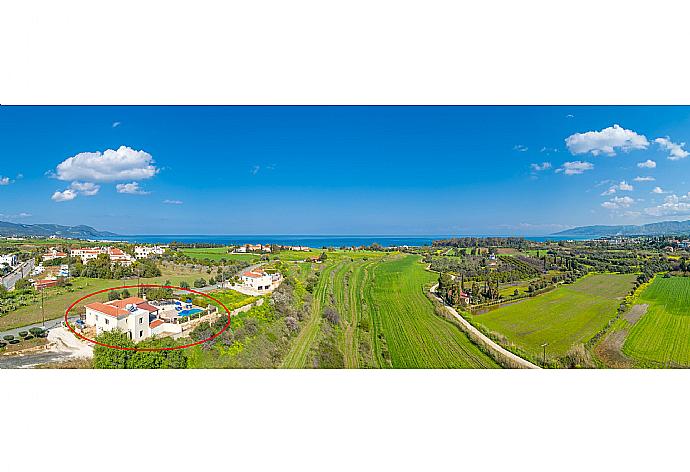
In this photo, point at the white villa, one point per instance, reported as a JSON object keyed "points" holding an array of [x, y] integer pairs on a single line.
{"points": [[252, 248], [258, 279], [142, 252], [134, 316], [116, 255]]}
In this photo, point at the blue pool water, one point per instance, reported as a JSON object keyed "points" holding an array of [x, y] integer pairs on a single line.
{"points": [[193, 311]]}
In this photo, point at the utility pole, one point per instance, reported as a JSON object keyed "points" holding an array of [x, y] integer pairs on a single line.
{"points": [[43, 311], [544, 346]]}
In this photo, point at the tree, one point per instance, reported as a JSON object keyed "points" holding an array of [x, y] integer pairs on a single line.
{"points": [[23, 284], [109, 358], [113, 295], [199, 283]]}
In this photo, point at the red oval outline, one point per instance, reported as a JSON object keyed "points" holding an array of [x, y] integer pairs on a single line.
{"points": [[148, 349]]}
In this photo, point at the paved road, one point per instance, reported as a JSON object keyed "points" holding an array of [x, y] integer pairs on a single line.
{"points": [[50, 324], [489, 343], [20, 272]]}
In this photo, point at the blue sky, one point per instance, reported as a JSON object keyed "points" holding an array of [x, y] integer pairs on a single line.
{"points": [[343, 170]]}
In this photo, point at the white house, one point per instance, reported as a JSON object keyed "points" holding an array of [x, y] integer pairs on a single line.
{"points": [[8, 259], [134, 316], [141, 252], [257, 279]]}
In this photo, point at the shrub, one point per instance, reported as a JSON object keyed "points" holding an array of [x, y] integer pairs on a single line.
{"points": [[291, 324], [2, 344], [36, 331], [8, 337], [23, 334], [14, 341], [331, 315]]}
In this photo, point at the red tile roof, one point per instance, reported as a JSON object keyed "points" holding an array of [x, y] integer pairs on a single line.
{"points": [[127, 301], [155, 323], [109, 310], [147, 306]]}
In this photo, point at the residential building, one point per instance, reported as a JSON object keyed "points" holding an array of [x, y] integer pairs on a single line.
{"points": [[53, 254], [257, 279], [132, 315], [116, 255], [142, 252], [8, 259]]}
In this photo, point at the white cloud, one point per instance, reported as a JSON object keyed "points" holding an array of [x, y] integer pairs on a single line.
{"points": [[13, 217], [658, 190], [673, 205], [618, 202], [570, 115], [85, 188], [123, 164], [5, 180], [631, 214], [575, 167], [64, 196], [606, 141], [648, 164], [173, 202], [676, 151], [116, 124], [625, 186], [520, 148], [255, 170], [131, 188], [540, 167], [644, 179]]}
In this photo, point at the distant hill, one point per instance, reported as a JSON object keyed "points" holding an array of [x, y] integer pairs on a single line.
{"points": [[45, 230], [664, 228]]}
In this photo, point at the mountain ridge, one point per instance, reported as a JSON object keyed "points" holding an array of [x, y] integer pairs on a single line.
{"points": [[8, 229], [662, 228]]}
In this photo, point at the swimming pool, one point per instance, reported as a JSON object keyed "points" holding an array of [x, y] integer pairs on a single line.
{"points": [[193, 311]]}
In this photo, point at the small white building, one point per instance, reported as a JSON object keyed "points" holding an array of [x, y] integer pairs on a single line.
{"points": [[257, 279], [142, 252], [9, 259]]}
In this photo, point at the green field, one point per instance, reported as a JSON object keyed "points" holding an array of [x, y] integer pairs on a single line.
{"points": [[566, 316], [217, 254], [662, 336], [386, 320], [415, 337]]}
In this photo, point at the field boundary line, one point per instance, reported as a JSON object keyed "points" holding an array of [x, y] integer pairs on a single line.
{"points": [[479, 337]]}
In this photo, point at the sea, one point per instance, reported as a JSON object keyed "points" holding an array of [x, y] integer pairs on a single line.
{"points": [[315, 241]]}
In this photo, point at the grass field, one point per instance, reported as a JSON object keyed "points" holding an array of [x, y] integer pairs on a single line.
{"points": [[58, 299], [404, 318], [217, 254], [662, 335], [385, 318], [566, 316]]}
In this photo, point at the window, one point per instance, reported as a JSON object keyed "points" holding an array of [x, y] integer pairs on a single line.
{"points": [[107, 321], [141, 320], [141, 334]]}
